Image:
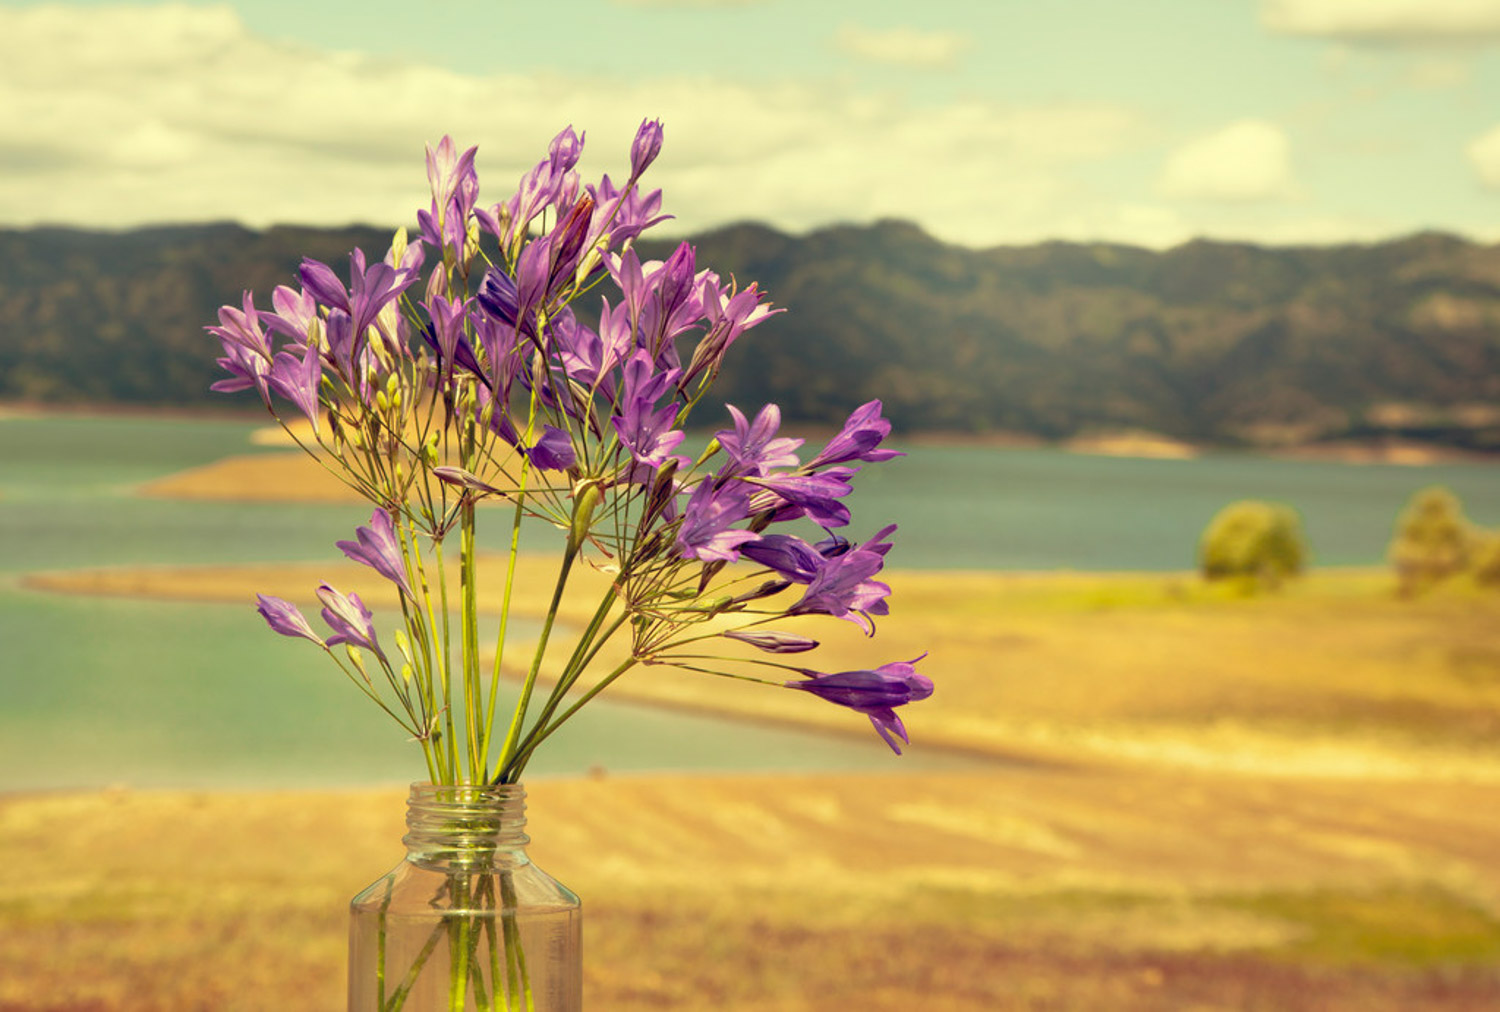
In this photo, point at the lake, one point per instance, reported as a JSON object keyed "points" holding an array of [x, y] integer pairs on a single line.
{"points": [[102, 691]]}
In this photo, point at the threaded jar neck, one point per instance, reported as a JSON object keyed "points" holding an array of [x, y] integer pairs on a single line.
{"points": [[466, 825]]}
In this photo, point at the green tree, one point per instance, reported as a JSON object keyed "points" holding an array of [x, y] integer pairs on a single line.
{"points": [[1258, 544], [1433, 540]]}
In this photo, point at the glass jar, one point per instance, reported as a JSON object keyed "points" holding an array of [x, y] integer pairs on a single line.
{"points": [[465, 921]]}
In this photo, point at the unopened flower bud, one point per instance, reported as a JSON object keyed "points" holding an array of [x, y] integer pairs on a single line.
{"points": [[774, 642], [645, 147]]}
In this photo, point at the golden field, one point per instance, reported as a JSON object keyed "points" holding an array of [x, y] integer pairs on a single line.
{"points": [[1197, 801]]}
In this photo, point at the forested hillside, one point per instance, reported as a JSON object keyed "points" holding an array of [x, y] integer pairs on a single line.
{"points": [[1209, 341]]}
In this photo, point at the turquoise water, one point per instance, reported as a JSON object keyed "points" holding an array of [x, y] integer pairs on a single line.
{"points": [[99, 691]]}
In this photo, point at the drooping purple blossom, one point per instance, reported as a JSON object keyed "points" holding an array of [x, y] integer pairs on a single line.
{"points": [[843, 587], [873, 693], [349, 619], [859, 439], [379, 548], [707, 532], [787, 555], [284, 617]]}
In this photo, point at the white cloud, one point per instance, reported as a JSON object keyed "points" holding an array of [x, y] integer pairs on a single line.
{"points": [[1392, 22], [1484, 155], [902, 47], [114, 117], [1249, 160]]}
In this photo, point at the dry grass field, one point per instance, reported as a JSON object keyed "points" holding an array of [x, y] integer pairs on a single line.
{"points": [[1199, 802]]}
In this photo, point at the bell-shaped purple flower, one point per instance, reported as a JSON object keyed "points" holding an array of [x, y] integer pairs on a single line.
{"points": [[707, 532], [553, 451], [786, 554], [297, 380], [859, 439], [284, 617], [753, 447], [379, 548], [843, 587], [813, 495], [874, 693], [349, 619]]}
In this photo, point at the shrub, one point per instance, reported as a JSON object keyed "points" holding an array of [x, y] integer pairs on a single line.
{"points": [[1257, 543], [1433, 540]]}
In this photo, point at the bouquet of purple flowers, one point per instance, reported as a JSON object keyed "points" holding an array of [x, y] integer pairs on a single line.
{"points": [[443, 374]]}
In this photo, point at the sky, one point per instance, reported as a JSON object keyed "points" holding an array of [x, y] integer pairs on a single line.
{"points": [[1148, 122]]}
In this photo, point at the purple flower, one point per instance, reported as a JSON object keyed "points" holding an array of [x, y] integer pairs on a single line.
{"points": [[753, 448], [707, 521], [859, 439], [645, 147], [786, 554], [297, 380], [380, 549], [647, 432], [349, 619], [774, 642], [814, 495], [249, 369], [553, 451], [873, 693], [371, 288], [844, 589], [284, 617]]}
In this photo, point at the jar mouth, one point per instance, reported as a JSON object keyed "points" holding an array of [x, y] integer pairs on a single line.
{"points": [[466, 824]]}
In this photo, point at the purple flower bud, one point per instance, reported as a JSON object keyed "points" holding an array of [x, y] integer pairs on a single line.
{"points": [[463, 479], [774, 642], [284, 617], [645, 147]]}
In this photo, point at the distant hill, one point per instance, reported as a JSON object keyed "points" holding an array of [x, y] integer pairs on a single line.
{"points": [[1213, 342]]}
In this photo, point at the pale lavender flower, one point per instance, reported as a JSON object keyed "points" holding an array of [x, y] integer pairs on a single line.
{"points": [[380, 548], [284, 617], [297, 380], [349, 619], [874, 693]]}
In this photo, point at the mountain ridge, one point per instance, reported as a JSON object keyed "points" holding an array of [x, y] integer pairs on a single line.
{"points": [[1222, 343]]}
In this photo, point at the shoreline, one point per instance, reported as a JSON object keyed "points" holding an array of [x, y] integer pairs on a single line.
{"points": [[1123, 443]]}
